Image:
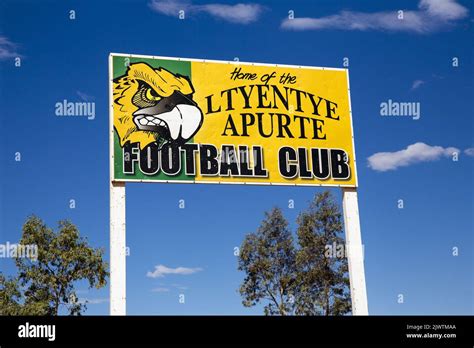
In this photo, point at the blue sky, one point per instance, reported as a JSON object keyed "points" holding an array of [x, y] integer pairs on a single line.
{"points": [[407, 251]]}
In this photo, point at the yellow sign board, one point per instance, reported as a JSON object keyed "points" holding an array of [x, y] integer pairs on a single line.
{"points": [[186, 120]]}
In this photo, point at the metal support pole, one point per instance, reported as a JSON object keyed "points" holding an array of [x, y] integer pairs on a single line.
{"points": [[118, 279], [355, 255]]}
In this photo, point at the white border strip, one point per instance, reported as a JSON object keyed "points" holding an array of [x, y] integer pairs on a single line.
{"points": [[354, 160], [228, 182], [111, 118], [224, 61]]}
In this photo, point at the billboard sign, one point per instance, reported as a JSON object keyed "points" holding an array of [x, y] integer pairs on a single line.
{"points": [[200, 121]]}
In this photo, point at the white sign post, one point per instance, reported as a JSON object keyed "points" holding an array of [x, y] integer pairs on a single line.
{"points": [[118, 279], [355, 254]]}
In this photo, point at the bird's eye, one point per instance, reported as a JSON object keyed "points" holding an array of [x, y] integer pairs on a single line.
{"points": [[150, 94]]}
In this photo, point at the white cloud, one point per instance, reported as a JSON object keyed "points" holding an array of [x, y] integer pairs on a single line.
{"points": [[238, 13], [180, 287], [161, 271], [160, 290], [348, 20], [444, 9], [7, 49], [416, 84], [415, 153], [169, 7], [84, 96], [469, 151], [430, 16]]}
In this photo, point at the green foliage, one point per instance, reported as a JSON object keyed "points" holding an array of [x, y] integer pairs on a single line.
{"points": [[268, 258], [322, 276], [306, 280], [42, 286], [9, 297]]}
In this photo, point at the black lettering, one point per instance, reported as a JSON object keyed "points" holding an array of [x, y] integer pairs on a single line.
{"points": [[302, 130], [286, 155], [228, 92], [283, 125], [189, 158], [170, 159], [258, 160], [248, 119], [315, 105], [283, 99], [318, 129], [229, 161], [303, 164], [262, 96], [244, 159], [230, 125], [246, 96], [298, 99], [339, 167], [209, 105], [130, 156], [260, 125], [149, 159], [320, 160], [208, 160], [330, 110]]}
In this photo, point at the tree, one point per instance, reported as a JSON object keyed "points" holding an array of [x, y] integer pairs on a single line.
{"points": [[268, 258], [322, 270], [10, 295], [43, 285], [309, 280]]}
